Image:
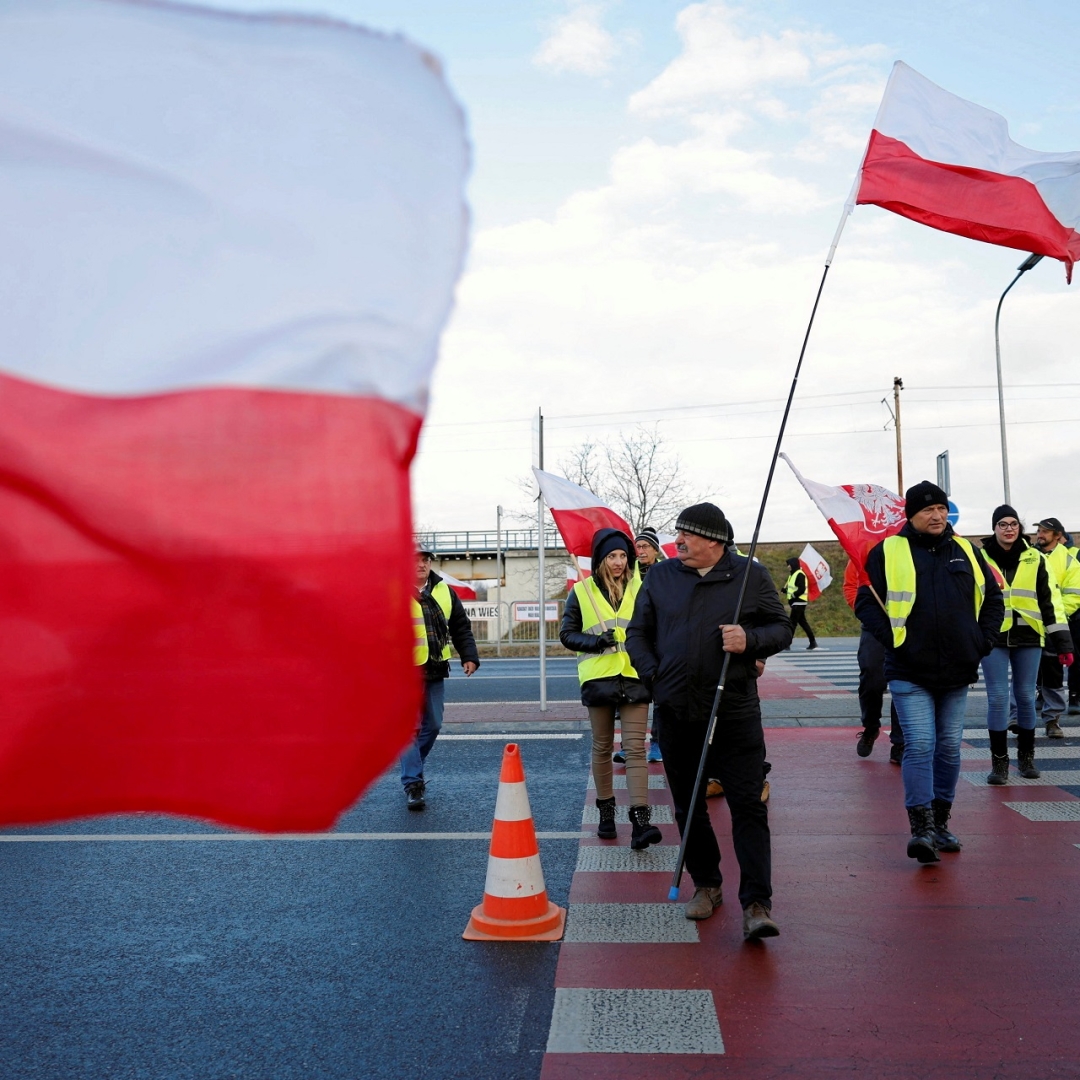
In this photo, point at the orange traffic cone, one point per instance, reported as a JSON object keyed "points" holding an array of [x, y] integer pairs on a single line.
{"points": [[515, 906]]}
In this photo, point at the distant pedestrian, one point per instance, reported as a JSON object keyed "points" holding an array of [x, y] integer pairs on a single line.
{"points": [[1050, 540], [439, 619], [649, 553], [683, 624], [597, 612], [872, 683], [1034, 618], [937, 609], [796, 592]]}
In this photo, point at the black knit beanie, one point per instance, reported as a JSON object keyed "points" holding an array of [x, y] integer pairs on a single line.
{"points": [[608, 540], [649, 536], [1003, 511], [921, 496], [704, 519]]}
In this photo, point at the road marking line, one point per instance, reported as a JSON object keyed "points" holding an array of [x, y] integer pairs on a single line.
{"points": [[625, 924], [1049, 778], [1047, 811], [512, 736], [614, 860], [67, 838], [661, 815], [593, 1021]]}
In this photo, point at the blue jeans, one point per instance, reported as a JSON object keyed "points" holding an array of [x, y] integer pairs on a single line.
{"points": [[933, 725], [1024, 661], [412, 761]]}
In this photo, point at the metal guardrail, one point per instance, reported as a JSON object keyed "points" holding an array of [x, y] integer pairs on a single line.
{"points": [[486, 540]]}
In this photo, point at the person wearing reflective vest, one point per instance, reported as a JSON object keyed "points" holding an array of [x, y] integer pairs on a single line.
{"points": [[438, 619], [795, 591], [597, 613], [649, 553], [1034, 618], [934, 604], [1050, 540]]}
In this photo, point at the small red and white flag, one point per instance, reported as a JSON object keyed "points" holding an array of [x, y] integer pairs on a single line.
{"points": [[578, 514], [465, 592], [861, 515], [949, 163], [230, 244], [816, 569]]}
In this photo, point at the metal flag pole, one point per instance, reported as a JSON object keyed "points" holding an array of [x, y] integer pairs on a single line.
{"points": [[676, 880], [541, 629]]}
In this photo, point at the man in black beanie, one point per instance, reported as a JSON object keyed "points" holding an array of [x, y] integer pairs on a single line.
{"points": [[683, 624], [937, 609]]}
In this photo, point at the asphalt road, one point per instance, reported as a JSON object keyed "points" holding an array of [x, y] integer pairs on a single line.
{"points": [[515, 680], [273, 960]]}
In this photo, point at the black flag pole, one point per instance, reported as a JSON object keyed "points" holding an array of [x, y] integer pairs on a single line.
{"points": [[676, 881]]}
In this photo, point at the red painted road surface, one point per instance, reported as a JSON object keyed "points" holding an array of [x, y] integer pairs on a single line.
{"points": [[962, 970]]}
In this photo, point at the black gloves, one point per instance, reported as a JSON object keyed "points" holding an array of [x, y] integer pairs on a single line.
{"points": [[607, 639]]}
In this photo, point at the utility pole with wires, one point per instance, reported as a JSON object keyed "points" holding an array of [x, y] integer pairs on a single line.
{"points": [[894, 412]]}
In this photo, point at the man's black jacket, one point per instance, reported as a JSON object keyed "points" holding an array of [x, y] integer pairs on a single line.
{"points": [[944, 643], [460, 634], [674, 638]]}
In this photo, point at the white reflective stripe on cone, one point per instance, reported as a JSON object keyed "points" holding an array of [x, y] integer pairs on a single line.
{"points": [[512, 802], [514, 877]]}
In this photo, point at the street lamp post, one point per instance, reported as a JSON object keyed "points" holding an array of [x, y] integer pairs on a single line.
{"points": [[1022, 269]]}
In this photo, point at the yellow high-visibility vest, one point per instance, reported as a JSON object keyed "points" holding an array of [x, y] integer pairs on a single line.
{"points": [[792, 586], [1066, 571], [900, 583], [1022, 596], [597, 615], [420, 645], [441, 594]]}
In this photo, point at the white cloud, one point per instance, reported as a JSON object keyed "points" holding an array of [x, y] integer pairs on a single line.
{"points": [[578, 43]]}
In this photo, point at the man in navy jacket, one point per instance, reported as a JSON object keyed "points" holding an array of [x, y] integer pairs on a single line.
{"points": [[683, 624]]}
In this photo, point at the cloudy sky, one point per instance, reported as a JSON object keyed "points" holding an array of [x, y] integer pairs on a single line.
{"points": [[655, 188]]}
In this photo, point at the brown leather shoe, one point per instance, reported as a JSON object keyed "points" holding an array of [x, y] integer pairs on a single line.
{"points": [[707, 899], [757, 923], [713, 788]]}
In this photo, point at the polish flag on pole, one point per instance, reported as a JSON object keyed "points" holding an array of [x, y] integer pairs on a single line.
{"points": [[816, 569], [949, 163], [229, 248], [578, 514], [465, 592], [861, 515]]}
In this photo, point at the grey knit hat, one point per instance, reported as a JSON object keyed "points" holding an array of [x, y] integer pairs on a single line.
{"points": [[704, 519]]}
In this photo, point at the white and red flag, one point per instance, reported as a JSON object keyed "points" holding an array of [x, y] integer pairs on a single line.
{"points": [[465, 592], [229, 248], [861, 515], [816, 569], [578, 514], [949, 163]]}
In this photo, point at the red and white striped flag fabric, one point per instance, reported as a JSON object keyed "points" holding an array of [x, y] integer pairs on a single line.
{"points": [[949, 163], [861, 515], [229, 248], [578, 513], [816, 569]]}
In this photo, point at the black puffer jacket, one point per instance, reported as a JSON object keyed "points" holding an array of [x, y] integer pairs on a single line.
{"points": [[675, 642], [944, 643], [613, 689], [1020, 634]]}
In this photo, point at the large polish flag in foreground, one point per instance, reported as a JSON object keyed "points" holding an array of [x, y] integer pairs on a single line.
{"points": [[229, 248], [861, 515], [948, 163], [578, 514]]}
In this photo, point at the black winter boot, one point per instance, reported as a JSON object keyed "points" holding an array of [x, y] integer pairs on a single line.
{"points": [[607, 830], [999, 759], [921, 846], [943, 839], [644, 832], [1025, 754]]}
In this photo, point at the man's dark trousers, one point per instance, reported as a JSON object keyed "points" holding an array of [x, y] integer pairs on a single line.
{"points": [[737, 760], [872, 687]]}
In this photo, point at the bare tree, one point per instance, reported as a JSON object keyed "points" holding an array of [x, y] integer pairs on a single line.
{"points": [[636, 473]]}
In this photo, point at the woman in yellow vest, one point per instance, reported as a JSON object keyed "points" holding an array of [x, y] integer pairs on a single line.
{"points": [[1034, 618], [598, 610]]}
